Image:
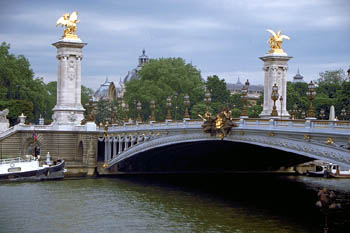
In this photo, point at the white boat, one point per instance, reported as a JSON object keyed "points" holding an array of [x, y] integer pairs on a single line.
{"points": [[30, 169], [329, 170]]}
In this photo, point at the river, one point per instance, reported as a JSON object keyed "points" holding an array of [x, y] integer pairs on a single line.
{"points": [[172, 203]]}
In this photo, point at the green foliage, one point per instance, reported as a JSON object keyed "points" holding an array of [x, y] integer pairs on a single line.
{"points": [[236, 112], [103, 111], [220, 95], [254, 111], [200, 108], [342, 99], [16, 108], [331, 89], [160, 79], [296, 94], [235, 101], [330, 81]]}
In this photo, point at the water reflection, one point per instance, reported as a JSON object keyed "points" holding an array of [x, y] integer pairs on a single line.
{"points": [[197, 203]]}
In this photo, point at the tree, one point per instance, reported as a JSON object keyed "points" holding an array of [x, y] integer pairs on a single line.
{"points": [[160, 79], [296, 94], [17, 83], [330, 81], [343, 98], [220, 95]]}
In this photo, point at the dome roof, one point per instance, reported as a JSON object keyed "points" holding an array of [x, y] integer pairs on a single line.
{"points": [[106, 91], [131, 75], [298, 77]]}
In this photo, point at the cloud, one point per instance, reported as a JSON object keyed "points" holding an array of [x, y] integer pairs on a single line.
{"points": [[224, 38]]}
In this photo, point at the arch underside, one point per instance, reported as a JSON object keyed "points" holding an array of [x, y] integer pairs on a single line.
{"points": [[200, 152], [210, 156]]}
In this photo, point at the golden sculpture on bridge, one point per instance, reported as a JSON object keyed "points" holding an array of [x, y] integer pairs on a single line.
{"points": [[221, 125], [69, 21], [275, 41]]}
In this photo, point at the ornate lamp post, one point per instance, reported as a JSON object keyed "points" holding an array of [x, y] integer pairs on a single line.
{"points": [[244, 99], [139, 112], [281, 101], [295, 111], [343, 114], [207, 100], [187, 104], [153, 106], [303, 114], [274, 97], [311, 93], [126, 113], [322, 114], [168, 116], [175, 97]]}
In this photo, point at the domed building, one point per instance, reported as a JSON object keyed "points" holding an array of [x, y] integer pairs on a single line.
{"points": [[107, 91], [298, 78], [133, 74]]}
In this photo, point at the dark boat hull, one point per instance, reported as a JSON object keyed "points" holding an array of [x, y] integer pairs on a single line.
{"points": [[46, 173]]}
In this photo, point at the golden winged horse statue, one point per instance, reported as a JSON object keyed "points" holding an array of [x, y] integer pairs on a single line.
{"points": [[70, 22], [275, 41]]}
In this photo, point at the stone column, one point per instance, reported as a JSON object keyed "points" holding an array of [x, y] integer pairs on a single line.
{"points": [[275, 67], [68, 109]]}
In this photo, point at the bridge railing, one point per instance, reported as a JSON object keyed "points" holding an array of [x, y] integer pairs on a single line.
{"points": [[299, 123]]}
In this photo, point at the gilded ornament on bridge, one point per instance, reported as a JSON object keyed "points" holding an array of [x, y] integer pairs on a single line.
{"points": [[307, 138], [69, 21], [221, 125], [329, 141], [275, 41]]}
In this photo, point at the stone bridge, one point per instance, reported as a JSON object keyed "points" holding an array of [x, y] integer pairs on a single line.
{"points": [[301, 140], [256, 144]]}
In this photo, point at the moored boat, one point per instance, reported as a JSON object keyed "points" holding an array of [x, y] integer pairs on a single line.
{"points": [[320, 171], [329, 170], [334, 171], [19, 169]]}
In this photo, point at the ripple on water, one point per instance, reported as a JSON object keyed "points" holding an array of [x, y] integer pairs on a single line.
{"points": [[167, 204]]}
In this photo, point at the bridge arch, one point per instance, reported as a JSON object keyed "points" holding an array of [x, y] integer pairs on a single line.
{"points": [[301, 149]]}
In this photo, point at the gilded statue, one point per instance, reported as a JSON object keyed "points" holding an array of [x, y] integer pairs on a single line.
{"points": [[69, 21], [220, 125], [275, 41]]}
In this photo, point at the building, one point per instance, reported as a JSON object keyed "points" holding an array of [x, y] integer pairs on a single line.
{"points": [[133, 74], [254, 91], [298, 78], [107, 91]]}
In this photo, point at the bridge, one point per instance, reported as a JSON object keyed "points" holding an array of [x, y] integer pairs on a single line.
{"points": [[138, 147], [182, 146]]}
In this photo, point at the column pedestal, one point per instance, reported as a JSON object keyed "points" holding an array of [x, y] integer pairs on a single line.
{"points": [[68, 109], [275, 67]]}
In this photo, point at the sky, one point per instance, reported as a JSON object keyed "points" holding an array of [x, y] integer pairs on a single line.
{"points": [[222, 37]]}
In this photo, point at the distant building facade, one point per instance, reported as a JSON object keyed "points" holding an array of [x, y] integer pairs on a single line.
{"points": [[254, 91]]}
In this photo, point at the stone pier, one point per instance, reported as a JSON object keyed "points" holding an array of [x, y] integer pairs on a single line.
{"points": [[275, 67], [68, 109]]}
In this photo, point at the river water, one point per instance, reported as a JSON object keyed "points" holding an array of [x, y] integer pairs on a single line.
{"points": [[172, 203]]}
